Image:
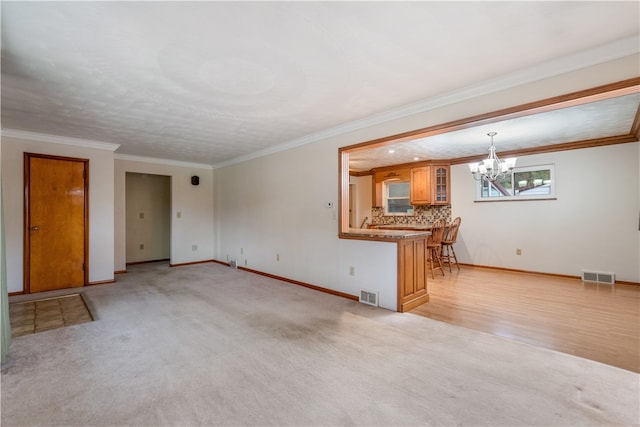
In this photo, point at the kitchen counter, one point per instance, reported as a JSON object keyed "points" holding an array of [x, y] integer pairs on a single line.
{"points": [[411, 227], [383, 234], [411, 261]]}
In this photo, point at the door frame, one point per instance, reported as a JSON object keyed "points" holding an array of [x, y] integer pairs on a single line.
{"points": [[26, 285]]}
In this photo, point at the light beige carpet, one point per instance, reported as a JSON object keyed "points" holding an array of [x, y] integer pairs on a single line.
{"points": [[210, 345]]}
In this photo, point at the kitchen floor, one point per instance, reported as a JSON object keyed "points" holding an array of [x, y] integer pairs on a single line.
{"points": [[31, 317]]}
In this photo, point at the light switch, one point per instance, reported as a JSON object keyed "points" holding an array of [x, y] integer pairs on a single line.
{"points": [[178, 214]]}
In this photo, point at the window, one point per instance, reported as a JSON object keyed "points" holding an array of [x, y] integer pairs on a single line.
{"points": [[525, 183], [396, 198]]}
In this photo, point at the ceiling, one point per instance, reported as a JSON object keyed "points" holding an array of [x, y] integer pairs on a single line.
{"points": [[585, 122], [210, 82]]}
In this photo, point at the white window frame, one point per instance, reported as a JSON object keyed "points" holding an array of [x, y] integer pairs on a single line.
{"points": [[385, 197], [551, 195]]}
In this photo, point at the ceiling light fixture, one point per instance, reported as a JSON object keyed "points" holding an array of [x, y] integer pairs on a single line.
{"points": [[492, 168]]}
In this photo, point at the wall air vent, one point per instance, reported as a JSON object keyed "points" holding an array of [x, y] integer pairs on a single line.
{"points": [[369, 297], [233, 263], [599, 276]]}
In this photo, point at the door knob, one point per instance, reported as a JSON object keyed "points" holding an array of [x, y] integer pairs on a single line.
{"points": [[35, 228]]}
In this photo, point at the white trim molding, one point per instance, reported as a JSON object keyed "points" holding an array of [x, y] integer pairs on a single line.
{"points": [[158, 161], [54, 139]]}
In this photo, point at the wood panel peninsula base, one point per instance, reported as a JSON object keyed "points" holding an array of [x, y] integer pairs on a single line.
{"points": [[412, 263]]}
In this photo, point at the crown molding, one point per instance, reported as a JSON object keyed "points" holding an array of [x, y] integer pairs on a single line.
{"points": [[587, 58], [54, 139], [158, 161]]}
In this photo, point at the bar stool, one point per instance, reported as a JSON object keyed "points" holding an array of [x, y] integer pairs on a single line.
{"points": [[434, 245], [447, 243]]}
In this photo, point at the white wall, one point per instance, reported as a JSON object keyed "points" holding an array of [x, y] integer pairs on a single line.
{"points": [[148, 217], [271, 217], [193, 202], [100, 204], [592, 225], [275, 204]]}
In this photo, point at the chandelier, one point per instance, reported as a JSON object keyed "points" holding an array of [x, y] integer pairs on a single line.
{"points": [[492, 168]]}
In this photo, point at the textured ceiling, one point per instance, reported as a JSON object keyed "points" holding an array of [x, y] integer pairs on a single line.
{"points": [[601, 119], [209, 82]]}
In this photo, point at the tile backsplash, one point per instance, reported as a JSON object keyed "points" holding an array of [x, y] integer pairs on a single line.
{"points": [[421, 215]]}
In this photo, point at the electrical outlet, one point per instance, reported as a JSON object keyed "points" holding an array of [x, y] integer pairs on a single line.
{"points": [[518, 251], [178, 214], [352, 271], [141, 246], [277, 257], [194, 248], [241, 251], [245, 262], [141, 215]]}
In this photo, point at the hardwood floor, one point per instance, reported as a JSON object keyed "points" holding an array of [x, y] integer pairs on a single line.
{"points": [[595, 321]]}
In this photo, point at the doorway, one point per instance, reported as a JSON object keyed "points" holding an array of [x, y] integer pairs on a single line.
{"points": [[148, 218], [56, 231]]}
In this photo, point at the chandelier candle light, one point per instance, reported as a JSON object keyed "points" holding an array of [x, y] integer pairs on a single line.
{"points": [[492, 168]]}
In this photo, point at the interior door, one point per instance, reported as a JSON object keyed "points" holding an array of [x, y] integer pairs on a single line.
{"points": [[56, 218]]}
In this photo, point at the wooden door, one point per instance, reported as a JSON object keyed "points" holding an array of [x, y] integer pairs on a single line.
{"points": [[56, 222]]}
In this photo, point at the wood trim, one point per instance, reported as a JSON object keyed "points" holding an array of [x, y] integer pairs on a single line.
{"points": [[410, 305], [598, 93], [191, 263], [624, 282], [221, 262], [101, 282], [566, 276], [296, 282], [576, 145], [26, 242], [13, 294], [148, 262], [120, 272], [635, 127], [343, 191], [360, 173]]}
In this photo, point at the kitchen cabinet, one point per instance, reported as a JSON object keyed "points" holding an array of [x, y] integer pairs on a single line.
{"points": [[412, 273], [420, 189], [440, 185], [379, 178], [430, 185]]}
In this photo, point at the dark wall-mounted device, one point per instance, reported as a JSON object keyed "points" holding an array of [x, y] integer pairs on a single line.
{"points": [[195, 180]]}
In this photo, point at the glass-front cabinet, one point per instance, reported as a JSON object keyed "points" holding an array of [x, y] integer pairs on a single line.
{"points": [[440, 191]]}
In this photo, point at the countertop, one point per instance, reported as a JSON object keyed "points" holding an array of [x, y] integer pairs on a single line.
{"points": [[384, 234], [422, 227]]}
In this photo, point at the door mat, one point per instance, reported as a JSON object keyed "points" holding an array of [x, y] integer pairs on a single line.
{"points": [[30, 317]]}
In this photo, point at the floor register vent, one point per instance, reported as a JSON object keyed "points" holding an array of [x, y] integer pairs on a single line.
{"points": [[369, 297], [598, 276]]}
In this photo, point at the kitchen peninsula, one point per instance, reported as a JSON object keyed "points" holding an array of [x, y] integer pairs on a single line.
{"points": [[412, 264]]}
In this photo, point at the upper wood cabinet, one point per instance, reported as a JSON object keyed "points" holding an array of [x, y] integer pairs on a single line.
{"points": [[440, 185], [421, 186], [389, 175], [430, 185]]}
